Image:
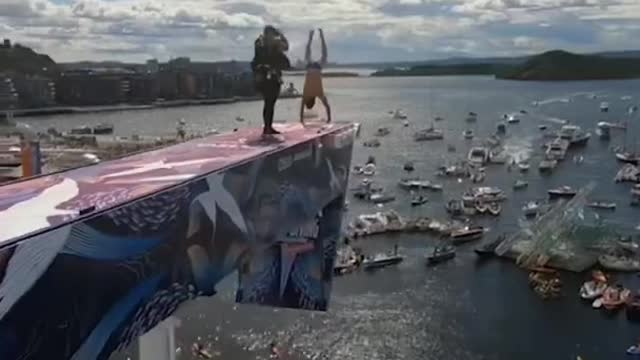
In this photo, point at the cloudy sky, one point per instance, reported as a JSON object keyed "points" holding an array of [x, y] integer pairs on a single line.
{"points": [[356, 30]]}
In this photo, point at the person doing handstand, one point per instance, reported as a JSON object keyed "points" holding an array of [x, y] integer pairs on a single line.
{"points": [[313, 79]]}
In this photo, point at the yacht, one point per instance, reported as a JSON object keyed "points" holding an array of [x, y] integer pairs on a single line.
{"points": [[562, 191], [478, 155], [574, 135], [466, 234]]}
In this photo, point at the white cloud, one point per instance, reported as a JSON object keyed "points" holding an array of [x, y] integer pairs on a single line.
{"points": [[356, 30]]}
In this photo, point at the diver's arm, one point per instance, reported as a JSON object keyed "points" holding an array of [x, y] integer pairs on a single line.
{"points": [[323, 60]]}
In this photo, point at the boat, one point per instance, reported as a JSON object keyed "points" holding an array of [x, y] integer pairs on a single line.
{"points": [[239, 119], [547, 165], [408, 166], [604, 106], [542, 127], [531, 208], [405, 123], [455, 207], [614, 297], [451, 148], [468, 134], [523, 166], [441, 254], [557, 149], [574, 135], [602, 205], [471, 117], [346, 261], [485, 194], [399, 115], [632, 307], [478, 155], [466, 234], [633, 350], [419, 200], [477, 177], [628, 157], [592, 289], [626, 97], [430, 133], [381, 198], [632, 109], [562, 191], [371, 143], [481, 208], [103, 129], [369, 169], [82, 130], [409, 184], [501, 128], [381, 260], [371, 160], [383, 131], [618, 263], [490, 247], [603, 130], [513, 119], [520, 184], [494, 209], [523, 111]]}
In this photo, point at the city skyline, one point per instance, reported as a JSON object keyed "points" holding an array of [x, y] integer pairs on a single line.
{"points": [[357, 30]]}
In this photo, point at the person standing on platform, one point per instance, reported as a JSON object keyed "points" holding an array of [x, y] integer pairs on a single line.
{"points": [[268, 62], [313, 79]]}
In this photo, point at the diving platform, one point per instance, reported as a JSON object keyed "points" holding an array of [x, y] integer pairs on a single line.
{"points": [[94, 257]]}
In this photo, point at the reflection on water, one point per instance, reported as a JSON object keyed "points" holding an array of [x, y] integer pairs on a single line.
{"points": [[463, 309]]}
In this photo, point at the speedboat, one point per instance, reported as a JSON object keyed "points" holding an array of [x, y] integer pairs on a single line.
{"points": [[438, 118], [591, 290], [542, 127], [604, 106], [466, 234], [562, 191], [520, 184], [490, 248], [430, 133], [419, 200], [478, 155], [419, 184], [408, 166], [523, 166], [513, 119], [381, 198], [383, 131], [441, 254], [602, 205], [633, 350], [399, 115], [618, 263], [628, 157], [632, 109], [531, 208], [494, 209], [451, 148], [468, 134], [381, 260], [239, 119]]}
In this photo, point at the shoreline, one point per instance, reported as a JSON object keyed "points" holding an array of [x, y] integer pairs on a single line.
{"points": [[75, 110]]}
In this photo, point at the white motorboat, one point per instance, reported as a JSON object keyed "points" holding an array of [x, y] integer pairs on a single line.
{"points": [[468, 134], [381, 260], [478, 155], [466, 234], [606, 205], [547, 165], [574, 135], [381, 198], [523, 166], [405, 123], [628, 157], [369, 169], [604, 106], [562, 191], [603, 130], [520, 184], [531, 208], [591, 290], [410, 184], [513, 118]]}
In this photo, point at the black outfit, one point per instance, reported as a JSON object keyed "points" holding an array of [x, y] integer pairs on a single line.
{"points": [[267, 66]]}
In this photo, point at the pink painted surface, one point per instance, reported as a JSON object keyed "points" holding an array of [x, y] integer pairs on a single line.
{"points": [[32, 206]]}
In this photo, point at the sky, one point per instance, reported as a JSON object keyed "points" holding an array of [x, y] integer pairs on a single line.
{"points": [[356, 30]]}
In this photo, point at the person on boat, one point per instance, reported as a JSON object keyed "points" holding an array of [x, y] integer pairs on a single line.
{"points": [[313, 79], [268, 62]]}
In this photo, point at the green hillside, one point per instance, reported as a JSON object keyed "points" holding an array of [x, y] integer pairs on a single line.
{"points": [[23, 60]]}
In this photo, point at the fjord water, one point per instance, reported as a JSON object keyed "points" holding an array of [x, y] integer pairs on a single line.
{"points": [[464, 309]]}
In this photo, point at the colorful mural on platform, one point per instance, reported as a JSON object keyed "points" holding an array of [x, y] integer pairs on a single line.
{"points": [[87, 286]]}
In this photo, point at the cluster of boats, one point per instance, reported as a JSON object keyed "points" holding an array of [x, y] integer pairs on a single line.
{"points": [[100, 129], [545, 282], [611, 297]]}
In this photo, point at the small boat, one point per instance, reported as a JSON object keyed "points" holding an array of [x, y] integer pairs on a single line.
{"points": [[542, 127], [381, 260], [523, 111], [371, 143], [604, 106], [562, 191], [626, 97], [520, 184], [602, 205], [438, 118], [531, 208], [381, 198], [419, 200], [399, 115], [618, 263], [451, 148], [468, 134], [478, 177], [591, 290], [632, 109], [478, 155], [513, 119], [547, 165], [405, 123], [614, 297], [455, 207], [430, 133], [103, 129], [408, 166], [481, 208], [471, 117], [490, 248], [523, 166], [239, 119], [82, 130], [494, 209], [383, 131], [603, 130], [369, 169], [628, 157], [466, 234], [371, 160], [501, 128], [441, 254], [409, 184]]}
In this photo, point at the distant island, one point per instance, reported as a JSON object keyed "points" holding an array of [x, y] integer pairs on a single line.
{"points": [[556, 65], [327, 73]]}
